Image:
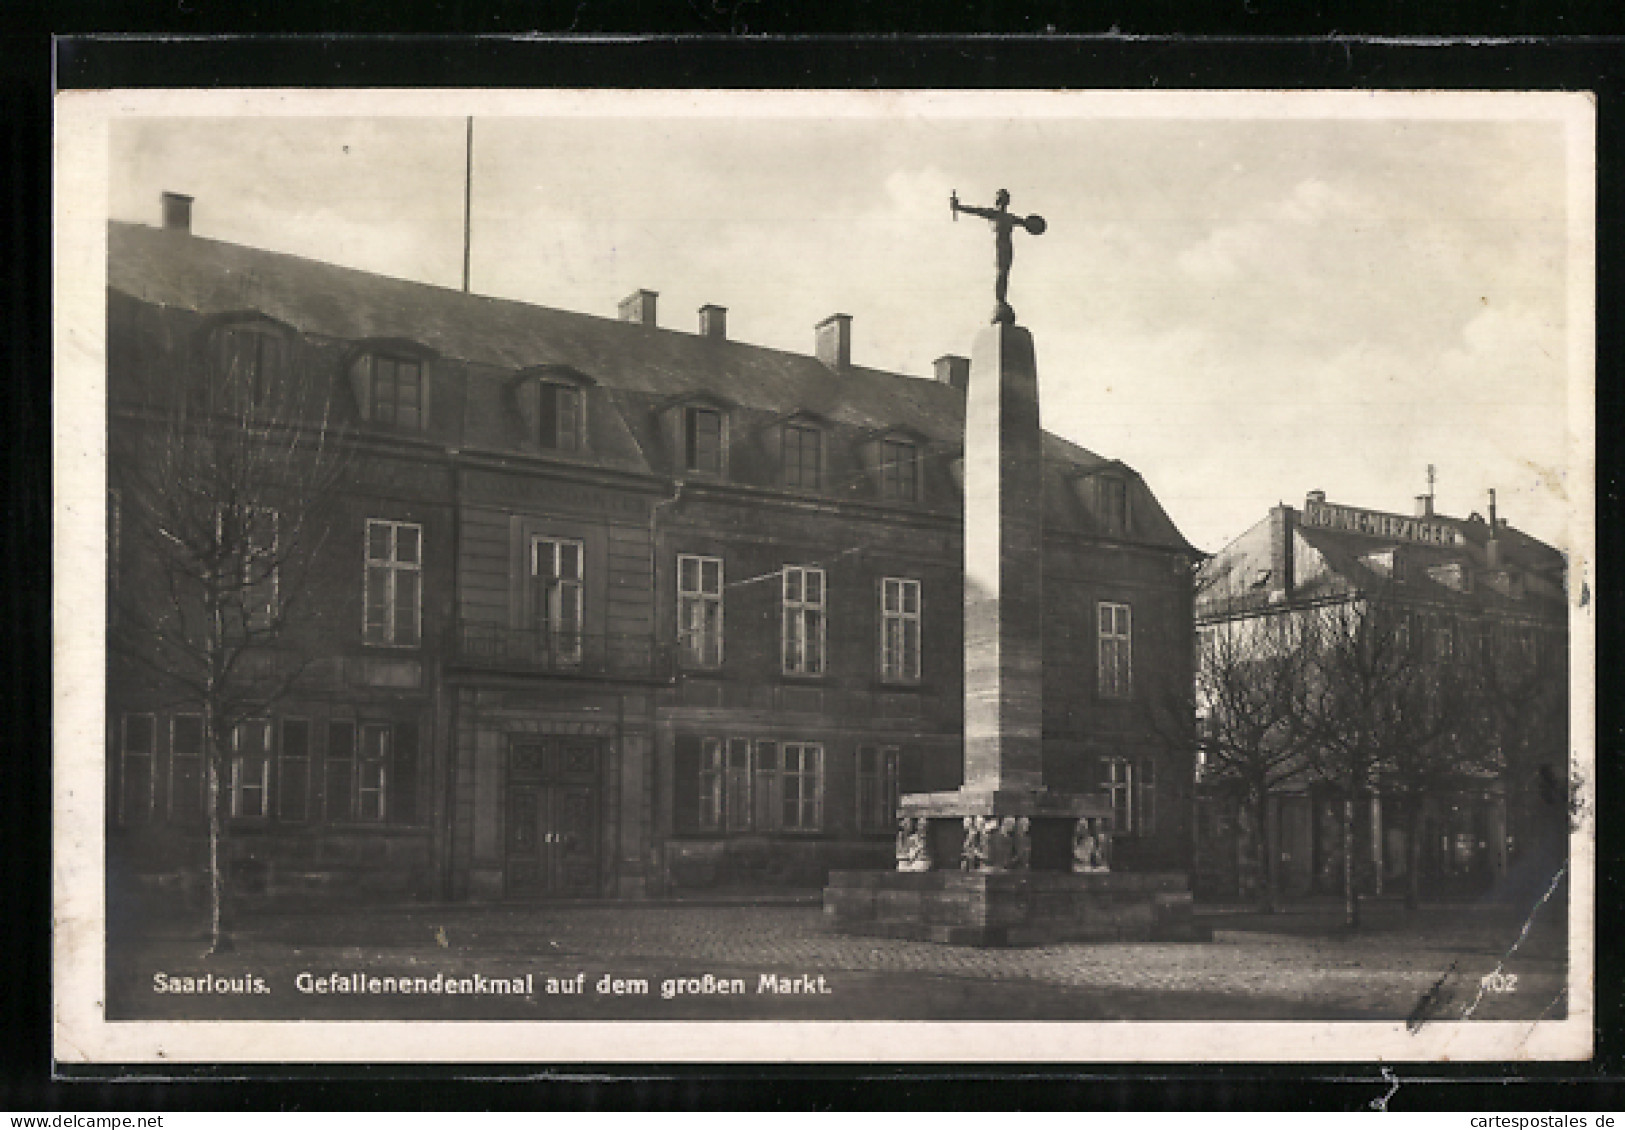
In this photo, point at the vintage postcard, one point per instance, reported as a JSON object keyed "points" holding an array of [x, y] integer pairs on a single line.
{"points": [[584, 577]]}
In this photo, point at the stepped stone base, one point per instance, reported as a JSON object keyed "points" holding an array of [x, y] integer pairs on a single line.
{"points": [[1012, 908]]}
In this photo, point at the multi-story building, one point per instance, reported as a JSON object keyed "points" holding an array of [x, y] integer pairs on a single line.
{"points": [[606, 608], [1471, 609]]}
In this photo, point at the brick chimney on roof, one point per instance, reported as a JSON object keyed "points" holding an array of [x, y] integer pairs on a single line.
{"points": [[639, 306], [177, 209], [952, 370], [714, 322], [832, 341]]}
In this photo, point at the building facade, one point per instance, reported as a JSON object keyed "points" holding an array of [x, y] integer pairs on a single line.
{"points": [[1471, 609], [607, 609]]}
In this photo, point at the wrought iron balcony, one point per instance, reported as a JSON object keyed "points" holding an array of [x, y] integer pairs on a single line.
{"points": [[497, 647]]}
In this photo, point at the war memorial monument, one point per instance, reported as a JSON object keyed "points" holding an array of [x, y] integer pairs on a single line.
{"points": [[1004, 860]]}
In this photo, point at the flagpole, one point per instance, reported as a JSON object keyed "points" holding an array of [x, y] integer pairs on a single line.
{"points": [[468, 197]]}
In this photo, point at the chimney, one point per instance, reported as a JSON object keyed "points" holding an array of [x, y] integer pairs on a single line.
{"points": [[639, 306], [833, 341], [177, 212], [714, 322], [1492, 547], [953, 370], [1424, 506]]}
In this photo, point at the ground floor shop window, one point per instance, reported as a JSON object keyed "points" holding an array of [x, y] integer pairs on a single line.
{"points": [[1132, 788], [136, 733], [370, 771], [877, 787], [250, 768], [186, 775], [293, 777], [749, 785]]}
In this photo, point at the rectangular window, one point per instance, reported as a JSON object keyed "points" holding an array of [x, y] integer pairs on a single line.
{"points": [[1114, 504], [338, 772], [186, 779], [136, 736], [801, 785], [766, 796], [899, 472], [1119, 786], [803, 457], [736, 785], [877, 788], [1145, 798], [560, 417], [711, 780], [899, 630], [250, 767], [556, 578], [703, 439], [293, 771], [397, 392], [803, 620], [372, 771], [394, 584], [1116, 651], [699, 610]]}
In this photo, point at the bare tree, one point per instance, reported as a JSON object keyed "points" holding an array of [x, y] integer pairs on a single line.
{"points": [[1435, 744], [224, 487], [1522, 678], [1351, 713], [1249, 687]]}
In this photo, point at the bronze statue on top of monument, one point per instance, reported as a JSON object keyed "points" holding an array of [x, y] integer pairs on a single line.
{"points": [[1003, 221]]}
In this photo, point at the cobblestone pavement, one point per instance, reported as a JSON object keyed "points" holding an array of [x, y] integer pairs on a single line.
{"points": [[1384, 971]]}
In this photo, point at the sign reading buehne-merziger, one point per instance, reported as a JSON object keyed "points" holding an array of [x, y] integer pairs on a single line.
{"points": [[1329, 517]]}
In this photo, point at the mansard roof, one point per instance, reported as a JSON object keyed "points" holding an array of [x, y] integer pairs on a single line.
{"points": [[639, 368]]}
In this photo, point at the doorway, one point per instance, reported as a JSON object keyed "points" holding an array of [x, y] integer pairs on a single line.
{"points": [[551, 846]]}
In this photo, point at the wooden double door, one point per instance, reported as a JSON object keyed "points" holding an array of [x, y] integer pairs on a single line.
{"points": [[551, 838]]}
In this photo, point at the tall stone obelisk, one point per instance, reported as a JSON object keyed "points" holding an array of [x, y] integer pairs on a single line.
{"points": [[1004, 653]]}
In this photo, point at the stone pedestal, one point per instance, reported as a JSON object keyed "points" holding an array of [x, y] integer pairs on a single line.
{"points": [[1006, 908]]}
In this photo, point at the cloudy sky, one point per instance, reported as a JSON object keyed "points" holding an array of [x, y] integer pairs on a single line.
{"points": [[1243, 306]]}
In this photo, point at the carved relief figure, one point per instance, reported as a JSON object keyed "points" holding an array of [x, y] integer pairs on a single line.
{"points": [[974, 855], [1088, 849], [1021, 845], [913, 853]]}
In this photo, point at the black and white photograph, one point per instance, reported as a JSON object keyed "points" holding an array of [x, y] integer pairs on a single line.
{"points": [[598, 576]]}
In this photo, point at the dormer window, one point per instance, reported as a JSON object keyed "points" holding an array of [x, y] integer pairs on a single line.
{"points": [[553, 406], [397, 391], [694, 428], [1113, 504], [249, 362], [558, 417], [803, 456], [392, 388], [1453, 575], [704, 438], [899, 470]]}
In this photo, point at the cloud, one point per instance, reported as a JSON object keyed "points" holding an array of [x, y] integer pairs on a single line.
{"points": [[1255, 245]]}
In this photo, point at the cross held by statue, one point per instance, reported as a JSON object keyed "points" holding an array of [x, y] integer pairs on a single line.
{"points": [[1003, 221]]}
